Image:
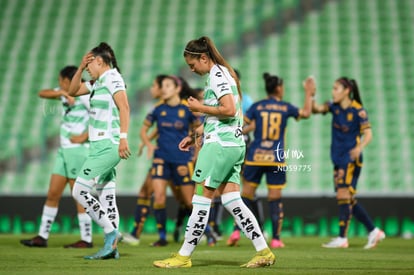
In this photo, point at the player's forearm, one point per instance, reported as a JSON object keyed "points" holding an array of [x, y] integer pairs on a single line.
{"points": [[75, 83], [307, 106], [50, 94], [124, 119], [220, 111], [144, 135], [317, 109], [366, 138]]}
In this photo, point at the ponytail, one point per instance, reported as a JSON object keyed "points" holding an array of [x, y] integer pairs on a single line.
{"points": [[204, 45], [353, 87], [271, 83], [108, 56], [355, 91]]}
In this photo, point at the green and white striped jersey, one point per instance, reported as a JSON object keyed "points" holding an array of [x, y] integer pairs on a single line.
{"points": [[104, 120], [226, 131], [74, 121]]}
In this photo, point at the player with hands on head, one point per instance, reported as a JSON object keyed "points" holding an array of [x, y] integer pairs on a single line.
{"points": [[108, 128]]}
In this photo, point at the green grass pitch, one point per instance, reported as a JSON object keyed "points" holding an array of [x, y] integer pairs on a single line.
{"points": [[302, 255]]}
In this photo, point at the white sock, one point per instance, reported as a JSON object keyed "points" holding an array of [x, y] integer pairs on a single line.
{"points": [[48, 217], [196, 224], [107, 197], [85, 227], [244, 219], [81, 193]]}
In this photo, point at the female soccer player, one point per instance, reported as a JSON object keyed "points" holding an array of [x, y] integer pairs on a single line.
{"points": [[221, 156], [70, 157], [108, 128], [174, 121], [268, 118], [351, 133]]}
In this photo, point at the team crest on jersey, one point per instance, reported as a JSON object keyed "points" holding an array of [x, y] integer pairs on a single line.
{"points": [[163, 113], [349, 116], [181, 113]]}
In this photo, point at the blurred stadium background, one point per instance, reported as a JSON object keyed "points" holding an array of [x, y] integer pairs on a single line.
{"points": [[369, 40]]}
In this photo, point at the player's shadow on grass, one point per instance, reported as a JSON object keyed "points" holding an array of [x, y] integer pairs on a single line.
{"points": [[207, 262]]}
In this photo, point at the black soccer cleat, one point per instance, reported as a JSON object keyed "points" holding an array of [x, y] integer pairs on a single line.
{"points": [[159, 243], [79, 244], [35, 242]]}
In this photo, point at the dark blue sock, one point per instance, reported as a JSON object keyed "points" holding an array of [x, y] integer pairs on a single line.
{"points": [[361, 215], [182, 212], [213, 218], [345, 214], [160, 213], [140, 215], [276, 216], [248, 202]]}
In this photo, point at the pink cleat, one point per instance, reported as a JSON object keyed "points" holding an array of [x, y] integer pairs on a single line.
{"points": [[234, 238], [276, 244], [374, 237], [338, 242]]}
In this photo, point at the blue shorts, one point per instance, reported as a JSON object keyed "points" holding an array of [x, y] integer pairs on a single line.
{"points": [[347, 176], [179, 173], [275, 178]]}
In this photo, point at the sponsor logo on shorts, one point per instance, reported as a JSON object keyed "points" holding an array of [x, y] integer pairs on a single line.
{"points": [[87, 171]]}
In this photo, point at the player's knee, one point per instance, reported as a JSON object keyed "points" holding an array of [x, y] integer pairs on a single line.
{"points": [[76, 192], [228, 197], [53, 196], [159, 199]]}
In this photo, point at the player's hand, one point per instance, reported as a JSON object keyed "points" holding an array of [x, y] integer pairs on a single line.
{"points": [[123, 149], [194, 104], [355, 152], [309, 85], [70, 99], [185, 144], [78, 139], [87, 58]]}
